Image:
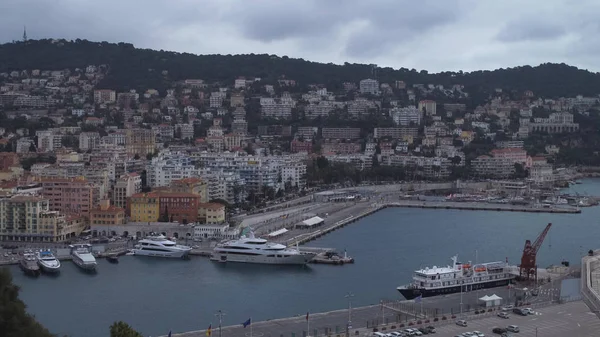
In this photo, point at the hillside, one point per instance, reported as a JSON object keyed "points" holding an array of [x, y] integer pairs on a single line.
{"points": [[131, 67]]}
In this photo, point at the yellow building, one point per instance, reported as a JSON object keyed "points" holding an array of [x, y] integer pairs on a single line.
{"points": [[107, 215], [191, 185], [211, 213], [144, 207], [140, 142]]}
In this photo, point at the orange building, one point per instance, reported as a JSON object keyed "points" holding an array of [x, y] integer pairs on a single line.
{"points": [[180, 207], [70, 195], [191, 185], [107, 215]]}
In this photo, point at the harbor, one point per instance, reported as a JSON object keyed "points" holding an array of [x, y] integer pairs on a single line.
{"points": [[387, 245]]}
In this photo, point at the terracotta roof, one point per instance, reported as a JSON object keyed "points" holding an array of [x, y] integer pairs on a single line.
{"points": [[191, 180], [212, 205], [145, 195], [110, 209], [169, 194]]}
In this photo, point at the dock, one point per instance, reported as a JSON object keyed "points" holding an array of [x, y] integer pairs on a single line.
{"points": [[480, 206]]}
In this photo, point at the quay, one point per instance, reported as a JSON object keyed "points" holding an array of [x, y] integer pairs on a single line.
{"points": [[481, 206]]}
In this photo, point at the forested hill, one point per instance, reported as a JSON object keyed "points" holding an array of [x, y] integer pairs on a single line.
{"points": [[142, 68]]}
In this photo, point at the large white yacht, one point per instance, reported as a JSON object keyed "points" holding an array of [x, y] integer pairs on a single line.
{"points": [[47, 261], [83, 257], [250, 249], [159, 245]]}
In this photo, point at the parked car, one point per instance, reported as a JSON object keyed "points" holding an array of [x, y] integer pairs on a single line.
{"points": [[519, 311], [512, 328], [461, 322], [499, 330], [534, 292], [478, 334], [503, 315], [431, 329], [424, 331], [528, 311], [508, 307]]}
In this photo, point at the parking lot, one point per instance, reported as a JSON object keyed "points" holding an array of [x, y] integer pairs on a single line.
{"points": [[572, 319]]}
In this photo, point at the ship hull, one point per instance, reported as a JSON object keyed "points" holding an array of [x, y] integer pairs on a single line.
{"points": [[300, 259], [412, 293]]}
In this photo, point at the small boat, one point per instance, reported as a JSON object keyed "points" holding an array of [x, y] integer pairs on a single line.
{"points": [[29, 265], [129, 253], [47, 261], [112, 258]]}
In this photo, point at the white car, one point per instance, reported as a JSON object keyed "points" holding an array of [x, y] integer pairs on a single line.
{"points": [[508, 307], [479, 333], [529, 311]]}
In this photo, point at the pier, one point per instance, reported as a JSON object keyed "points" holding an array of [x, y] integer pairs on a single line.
{"points": [[481, 206]]}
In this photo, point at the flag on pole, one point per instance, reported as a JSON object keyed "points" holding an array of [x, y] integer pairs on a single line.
{"points": [[248, 322], [209, 330], [307, 315], [169, 333], [419, 299]]}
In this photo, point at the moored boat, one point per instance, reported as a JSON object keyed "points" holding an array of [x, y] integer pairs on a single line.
{"points": [[83, 257], [456, 278], [29, 265], [250, 249], [160, 246], [112, 258], [47, 261]]}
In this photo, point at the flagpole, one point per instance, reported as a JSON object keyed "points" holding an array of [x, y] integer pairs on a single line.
{"points": [[250, 326], [307, 324]]}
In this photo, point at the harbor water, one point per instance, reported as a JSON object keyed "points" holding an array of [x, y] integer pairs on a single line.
{"points": [[157, 295]]}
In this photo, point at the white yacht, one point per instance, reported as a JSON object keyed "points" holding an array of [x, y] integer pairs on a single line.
{"points": [[250, 249], [83, 257], [159, 245], [47, 261]]}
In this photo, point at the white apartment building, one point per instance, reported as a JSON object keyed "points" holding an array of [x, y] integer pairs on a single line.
{"points": [[105, 96], [430, 167], [223, 184], [90, 141], [369, 86], [556, 123], [278, 108], [321, 108], [167, 167], [48, 141], [406, 116], [428, 106], [358, 161], [293, 174], [187, 130], [23, 145], [216, 99], [360, 108], [487, 166]]}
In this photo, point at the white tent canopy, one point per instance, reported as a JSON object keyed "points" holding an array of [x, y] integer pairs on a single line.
{"points": [[278, 232], [491, 301], [312, 221]]}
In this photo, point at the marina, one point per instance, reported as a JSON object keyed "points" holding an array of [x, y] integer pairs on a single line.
{"points": [[394, 240]]}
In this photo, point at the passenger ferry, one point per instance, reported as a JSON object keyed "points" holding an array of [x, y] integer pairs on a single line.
{"points": [[447, 280]]}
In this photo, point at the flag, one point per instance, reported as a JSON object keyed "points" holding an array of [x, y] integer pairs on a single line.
{"points": [[209, 330], [248, 322], [169, 333], [307, 315], [419, 299]]}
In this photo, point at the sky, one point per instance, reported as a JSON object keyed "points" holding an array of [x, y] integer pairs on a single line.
{"points": [[435, 35]]}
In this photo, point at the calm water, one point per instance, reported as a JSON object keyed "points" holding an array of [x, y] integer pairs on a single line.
{"points": [[156, 296]]}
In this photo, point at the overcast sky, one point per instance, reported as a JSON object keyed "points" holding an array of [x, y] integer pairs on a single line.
{"points": [[435, 35]]}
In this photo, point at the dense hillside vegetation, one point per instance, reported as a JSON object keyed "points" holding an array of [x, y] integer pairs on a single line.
{"points": [[143, 68]]}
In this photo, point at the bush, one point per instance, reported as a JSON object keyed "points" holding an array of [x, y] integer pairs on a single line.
{"points": [[402, 325], [383, 329], [426, 321], [444, 318], [419, 322], [393, 327], [375, 330], [476, 312], [453, 316], [490, 310], [411, 324], [435, 319]]}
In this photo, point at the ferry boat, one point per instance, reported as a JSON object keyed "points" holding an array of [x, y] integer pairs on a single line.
{"points": [[29, 265], [47, 261], [250, 249], [83, 257], [160, 246], [447, 280]]}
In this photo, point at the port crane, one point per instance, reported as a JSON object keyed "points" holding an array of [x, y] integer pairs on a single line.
{"points": [[528, 266]]}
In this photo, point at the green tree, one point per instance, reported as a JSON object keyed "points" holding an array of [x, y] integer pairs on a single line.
{"points": [[122, 329], [14, 320]]}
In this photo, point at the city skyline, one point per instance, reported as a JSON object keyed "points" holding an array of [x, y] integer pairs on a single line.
{"points": [[434, 36]]}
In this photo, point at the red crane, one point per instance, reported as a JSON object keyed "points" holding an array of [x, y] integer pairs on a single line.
{"points": [[528, 267]]}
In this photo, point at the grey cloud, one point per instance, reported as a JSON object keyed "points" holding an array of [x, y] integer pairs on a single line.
{"points": [[526, 30]]}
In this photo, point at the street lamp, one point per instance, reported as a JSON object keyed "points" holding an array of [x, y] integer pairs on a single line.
{"points": [[349, 296], [220, 314]]}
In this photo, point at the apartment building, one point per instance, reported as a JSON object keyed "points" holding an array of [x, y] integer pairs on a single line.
{"points": [[89, 140], [360, 162], [369, 86], [340, 133], [278, 108], [395, 133], [301, 146], [180, 207], [104, 96], [194, 185], [557, 122], [48, 141], [211, 213], [144, 207], [340, 148], [224, 185], [126, 186], [70, 195], [107, 215], [428, 107], [293, 175], [429, 167], [140, 142], [216, 99], [486, 166], [406, 116], [167, 167], [361, 108]]}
